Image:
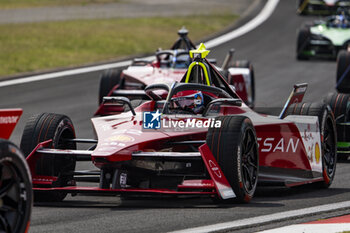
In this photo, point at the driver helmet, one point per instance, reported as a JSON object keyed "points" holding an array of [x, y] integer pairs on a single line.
{"points": [[341, 19], [190, 101], [181, 61]]}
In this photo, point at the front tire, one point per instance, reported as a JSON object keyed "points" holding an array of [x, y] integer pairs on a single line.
{"points": [[108, 81], [57, 127], [340, 105], [302, 41], [343, 72], [15, 189], [235, 148]]}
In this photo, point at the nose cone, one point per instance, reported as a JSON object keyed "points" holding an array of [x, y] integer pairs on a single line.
{"points": [[120, 135]]}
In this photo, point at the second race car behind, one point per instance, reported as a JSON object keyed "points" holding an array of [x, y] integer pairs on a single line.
{"points": [[169, 66]]}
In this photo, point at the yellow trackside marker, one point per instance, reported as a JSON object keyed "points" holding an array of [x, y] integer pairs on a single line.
{"points": [[200, 51], [317, 153]]}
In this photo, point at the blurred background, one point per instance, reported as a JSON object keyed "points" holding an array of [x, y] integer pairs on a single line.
{"points": [[42, 35]]}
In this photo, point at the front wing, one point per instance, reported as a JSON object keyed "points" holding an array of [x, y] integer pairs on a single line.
{"points": [[217, 185]]}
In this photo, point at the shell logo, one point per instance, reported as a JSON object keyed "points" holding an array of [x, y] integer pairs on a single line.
{"points": [[317, 153]]}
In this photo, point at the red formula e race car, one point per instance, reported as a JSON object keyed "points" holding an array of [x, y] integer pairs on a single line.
{"points": [[15, 179], [201, 139], [167, 67]]}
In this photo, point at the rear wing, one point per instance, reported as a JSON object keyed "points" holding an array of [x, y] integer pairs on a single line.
{"points": [[296, 96], [8, 121]]}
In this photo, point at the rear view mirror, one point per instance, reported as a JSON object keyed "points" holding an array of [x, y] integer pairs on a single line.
{"points": [[117, 100]]}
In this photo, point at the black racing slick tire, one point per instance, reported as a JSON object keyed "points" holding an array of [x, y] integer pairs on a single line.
{"points": [[328, 135], [340, 105], [16, 194], [235, 148], [343, 72], [59, 128], [302, 41], [108, 80]]}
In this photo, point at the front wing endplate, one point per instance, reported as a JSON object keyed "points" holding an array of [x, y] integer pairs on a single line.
{"points": [[221, 184]]}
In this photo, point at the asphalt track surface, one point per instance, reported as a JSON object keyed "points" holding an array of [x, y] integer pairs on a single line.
{"points": [[271, 48]]}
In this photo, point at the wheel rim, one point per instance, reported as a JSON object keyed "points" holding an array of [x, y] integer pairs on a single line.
{"points": [[64, 162], [12, 198], [328, 148], [62, 139], [249, 161]]}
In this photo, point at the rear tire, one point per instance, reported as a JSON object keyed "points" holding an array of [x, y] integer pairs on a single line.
{"points": [[15, 189], [340, 105], [235, 148], [57, 127], [328, 135], [248, 65], [302, 40], [343, 72], [108, 80]]}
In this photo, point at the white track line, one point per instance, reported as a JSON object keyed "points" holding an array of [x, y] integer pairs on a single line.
{"points": [[259, 19], [264, 14], [312, 228], [63, 73], [249, 222]]}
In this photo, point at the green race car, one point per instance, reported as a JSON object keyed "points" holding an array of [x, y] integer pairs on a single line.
{"points": [[324, 38]]}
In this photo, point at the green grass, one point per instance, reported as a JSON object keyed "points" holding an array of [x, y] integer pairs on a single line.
{"points": [[42, 46], [5, 4]]}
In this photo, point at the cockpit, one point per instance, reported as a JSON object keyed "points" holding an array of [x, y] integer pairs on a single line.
{"points": [[340, 20], [177, 59], [200, 90]]}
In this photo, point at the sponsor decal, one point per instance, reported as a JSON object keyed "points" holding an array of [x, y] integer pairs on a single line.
{"points": [[214, 168], [121, 138], [116, 144], [239, 164], [278, 145], [300, 90], [197, 184], [308, 135], [317, 153], [151, 120], [191, 123], [123, 180], [239, 86], [128, 131], [106, 149], [310, 140], [8, 119]]}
